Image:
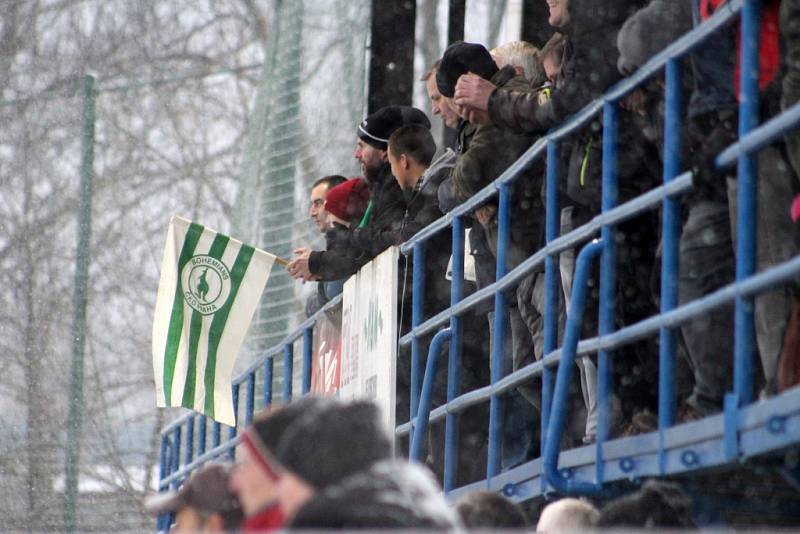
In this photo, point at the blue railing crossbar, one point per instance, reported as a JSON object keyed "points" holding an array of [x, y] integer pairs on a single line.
{"points": [[580, 235]]}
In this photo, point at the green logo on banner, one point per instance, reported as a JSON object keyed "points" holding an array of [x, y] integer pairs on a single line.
{"points": [[205, 284], [374, 325]]}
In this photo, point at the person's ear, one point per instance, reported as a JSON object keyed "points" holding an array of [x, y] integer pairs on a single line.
{"points": [[404, 163], [385, 155], [519, 70]]}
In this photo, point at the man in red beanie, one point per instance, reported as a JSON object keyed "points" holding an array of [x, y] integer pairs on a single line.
{"points": [[345, 205]]}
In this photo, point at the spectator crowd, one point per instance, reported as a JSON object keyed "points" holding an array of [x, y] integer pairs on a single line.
{"points": [[318, 463]]}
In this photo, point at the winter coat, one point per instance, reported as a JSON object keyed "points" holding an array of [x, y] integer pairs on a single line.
{"points": [[388, 207], [487, 151], [422, 209], [270, 519], [392, 494], [354, 248], [340, 259], [589, 67]]}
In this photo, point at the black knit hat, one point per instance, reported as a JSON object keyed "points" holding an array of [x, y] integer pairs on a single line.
{"points": [[649, 31], [378, 127], [323, 440], [461, 58]]}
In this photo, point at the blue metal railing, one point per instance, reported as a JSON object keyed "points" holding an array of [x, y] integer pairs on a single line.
{"points": [[741, 429]]}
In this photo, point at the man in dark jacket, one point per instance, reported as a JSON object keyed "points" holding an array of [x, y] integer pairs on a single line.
{"points": [[411, 151], [485, 152], [316, 210], [588, 68], [385, 212]]}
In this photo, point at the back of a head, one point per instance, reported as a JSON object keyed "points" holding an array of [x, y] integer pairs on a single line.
{"points": [[392, 494], [657, 504], [329, 440], [488, 509], [348, 201], [518, 54], [415, 141], [650, 30], [567, 515], [461, 58]]}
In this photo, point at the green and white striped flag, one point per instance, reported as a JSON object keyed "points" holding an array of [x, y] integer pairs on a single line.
{"points": [[209, 289]]}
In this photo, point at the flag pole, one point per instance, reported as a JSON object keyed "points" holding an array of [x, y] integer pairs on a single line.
{"points": [[79, 300]]}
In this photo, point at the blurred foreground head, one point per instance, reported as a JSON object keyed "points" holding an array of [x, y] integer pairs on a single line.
{"points": [[488, 509], [315, 442], [202, 503], [657, 504], [567, 515]]}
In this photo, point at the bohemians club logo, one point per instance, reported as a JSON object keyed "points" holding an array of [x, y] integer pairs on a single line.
{"points": [[205, 284]]}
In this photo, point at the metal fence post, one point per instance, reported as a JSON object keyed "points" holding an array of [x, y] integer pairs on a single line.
{"points": [[498, 339], [669, 246], [454, 358], [551, 281], [308, 346], [417, 309], [747, 220], [288, 371], [608, 280], [79, 301]]}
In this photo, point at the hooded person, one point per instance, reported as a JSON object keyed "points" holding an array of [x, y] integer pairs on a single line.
{"points": [[385, 210], [202, 503], [390, 494], [316, 442]]}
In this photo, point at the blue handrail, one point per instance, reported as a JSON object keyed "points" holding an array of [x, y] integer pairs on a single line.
{"points": [[548, 474]]}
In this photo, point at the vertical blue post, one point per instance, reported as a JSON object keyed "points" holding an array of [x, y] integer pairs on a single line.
{"points": [[232, 430], [607, 279], [454, 361], [288, 371], [163, 472], [250, 400], [176, 453], [189, 454], [201, 437], [417, 441], [308, 346], [216, 430], [268, 366], [671, 218], [744, 326], [498, 339], [551, 285], [417, 309]]}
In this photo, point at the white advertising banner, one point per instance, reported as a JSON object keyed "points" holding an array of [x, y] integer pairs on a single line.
{"points": [[369, 334]]}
